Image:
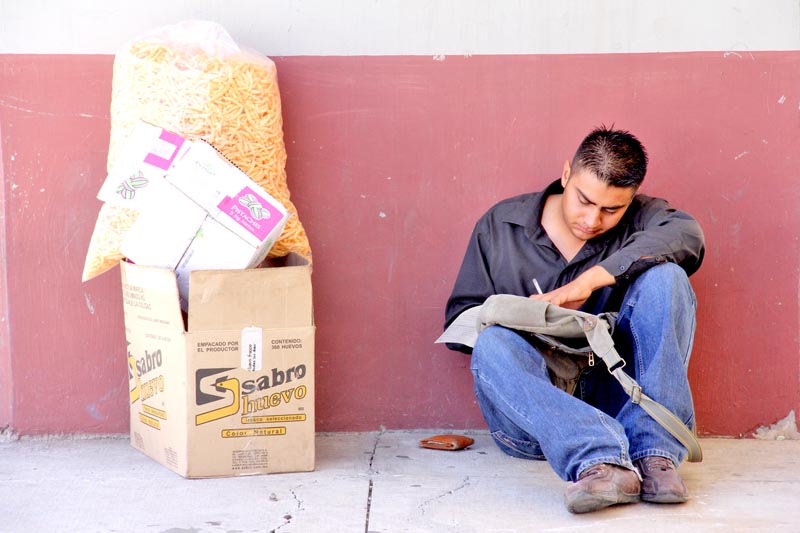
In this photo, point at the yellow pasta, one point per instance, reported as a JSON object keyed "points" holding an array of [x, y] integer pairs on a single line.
{"points": [[232, 102], [112, 224]]}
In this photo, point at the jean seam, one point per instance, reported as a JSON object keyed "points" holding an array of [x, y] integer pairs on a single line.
{"points": [[605, 460], [636, 345], [477, 376], [489, 385], [688, 354], [508, 441], [655, 452], [622, 448]]}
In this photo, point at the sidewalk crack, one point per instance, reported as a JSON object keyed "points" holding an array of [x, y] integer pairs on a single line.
{"points": [[370, 473], [287, 518], [464, 484]]}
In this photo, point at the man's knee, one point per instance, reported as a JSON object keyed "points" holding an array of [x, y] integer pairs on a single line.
{"points": [[491, 344], [666, 278], [665, 272], [501, 351]]}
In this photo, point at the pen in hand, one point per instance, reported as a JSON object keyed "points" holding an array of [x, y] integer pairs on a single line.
{"points": [[536, 284]]}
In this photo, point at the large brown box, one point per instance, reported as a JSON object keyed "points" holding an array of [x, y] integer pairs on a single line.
{"points": [[198, 404]]}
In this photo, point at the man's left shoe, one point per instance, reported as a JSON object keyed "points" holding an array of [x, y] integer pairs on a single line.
{"points": [[600, 486], [661, 482]]}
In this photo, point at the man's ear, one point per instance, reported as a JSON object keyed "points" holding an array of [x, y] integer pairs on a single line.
{"points": [[565, 174]]}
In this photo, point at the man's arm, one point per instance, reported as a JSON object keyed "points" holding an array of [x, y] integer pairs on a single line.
{"points": [[661, 234], [573, 294], [473, 283]]}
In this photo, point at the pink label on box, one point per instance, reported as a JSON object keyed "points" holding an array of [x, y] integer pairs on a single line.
{"points": [[252, 212], [164, 150]]}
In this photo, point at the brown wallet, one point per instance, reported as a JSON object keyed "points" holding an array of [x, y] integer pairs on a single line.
{"points": [[446, 442]]}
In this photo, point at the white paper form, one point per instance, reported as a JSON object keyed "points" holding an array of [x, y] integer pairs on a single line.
{"points": [[463, 330]]}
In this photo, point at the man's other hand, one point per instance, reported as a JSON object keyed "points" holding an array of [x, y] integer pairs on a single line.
{"points": [[573, 294]]}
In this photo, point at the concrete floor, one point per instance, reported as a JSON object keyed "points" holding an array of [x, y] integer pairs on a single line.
{"points": [[377, 482]]}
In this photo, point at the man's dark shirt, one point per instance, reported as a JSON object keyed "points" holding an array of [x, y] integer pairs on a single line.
{"points": [[509, 248]]}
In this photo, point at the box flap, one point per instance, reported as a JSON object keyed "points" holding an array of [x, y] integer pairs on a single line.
{"points": [[214, 247], [150, 297], [272, 297]]}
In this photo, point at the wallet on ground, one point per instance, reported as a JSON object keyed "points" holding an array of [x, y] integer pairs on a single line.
{"points": [[446, 442]]}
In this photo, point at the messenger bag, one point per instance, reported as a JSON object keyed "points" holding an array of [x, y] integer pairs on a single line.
{"points": [[561, 335]]}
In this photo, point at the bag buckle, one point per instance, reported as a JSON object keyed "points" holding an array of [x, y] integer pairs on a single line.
{"points": [[636, 394], [617, 366]]}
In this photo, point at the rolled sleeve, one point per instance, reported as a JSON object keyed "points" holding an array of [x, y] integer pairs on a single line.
{"points": [[663, 234]]}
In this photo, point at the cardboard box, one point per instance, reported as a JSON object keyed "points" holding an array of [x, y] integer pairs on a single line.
{"points": [[233, 393]]}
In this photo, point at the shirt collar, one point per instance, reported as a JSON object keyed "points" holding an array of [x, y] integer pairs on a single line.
{"points": [[528, 213]]}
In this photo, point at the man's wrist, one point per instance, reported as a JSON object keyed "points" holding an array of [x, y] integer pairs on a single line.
{"points": [[598, 277]]}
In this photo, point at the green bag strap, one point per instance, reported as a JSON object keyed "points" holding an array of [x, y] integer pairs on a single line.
{"points": [[518, 312], [603, 346]]}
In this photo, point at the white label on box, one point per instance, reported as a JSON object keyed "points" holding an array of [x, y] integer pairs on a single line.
{"points": [[251, 348]]}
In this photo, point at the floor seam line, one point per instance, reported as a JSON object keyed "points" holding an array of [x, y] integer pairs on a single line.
{"points": [[371, 471]]}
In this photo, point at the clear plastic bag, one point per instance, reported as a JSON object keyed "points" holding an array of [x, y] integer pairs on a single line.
{"points": [[192, 79]]}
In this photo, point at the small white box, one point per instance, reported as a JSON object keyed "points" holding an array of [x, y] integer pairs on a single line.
{"points": [[204, 176], [165, 228], [149, 153], [228, 194]]}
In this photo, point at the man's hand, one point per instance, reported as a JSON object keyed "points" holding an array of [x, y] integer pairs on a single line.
{"points": [[573, 294]]}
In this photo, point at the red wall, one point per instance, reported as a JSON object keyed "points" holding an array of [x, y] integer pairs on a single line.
{"points": [[391, 160]]}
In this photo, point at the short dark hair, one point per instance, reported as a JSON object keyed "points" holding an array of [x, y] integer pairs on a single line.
{"points": [[616, 157]]}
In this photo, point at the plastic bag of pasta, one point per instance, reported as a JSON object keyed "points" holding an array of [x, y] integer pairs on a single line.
{"points": [[191, 78]]}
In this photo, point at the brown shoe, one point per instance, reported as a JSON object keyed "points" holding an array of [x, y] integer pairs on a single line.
{"points": [[661, 482], [600, 486]]}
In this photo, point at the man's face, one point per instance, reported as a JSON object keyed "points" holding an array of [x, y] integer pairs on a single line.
{"points": [[589, 206]]}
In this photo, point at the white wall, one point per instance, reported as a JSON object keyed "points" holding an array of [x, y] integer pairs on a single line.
{"points": [[413, 27]]}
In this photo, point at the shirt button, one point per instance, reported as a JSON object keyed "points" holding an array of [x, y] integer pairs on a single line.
{"points": [[622, 268]]}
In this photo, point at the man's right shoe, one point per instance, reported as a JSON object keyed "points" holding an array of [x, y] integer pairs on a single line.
{"points": [[600, 486], [661, 482]]}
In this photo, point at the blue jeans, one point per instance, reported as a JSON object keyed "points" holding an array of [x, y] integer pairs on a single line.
{"points": [[529, 417]]}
